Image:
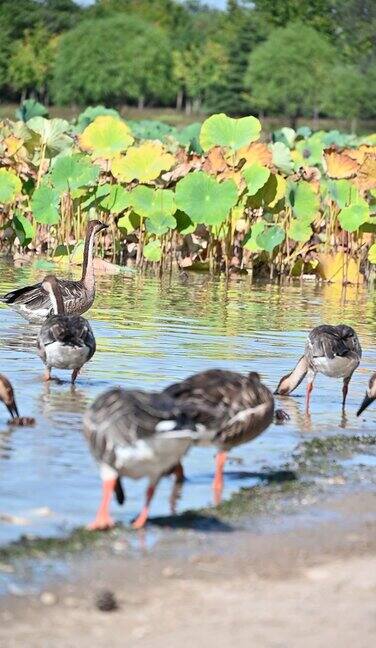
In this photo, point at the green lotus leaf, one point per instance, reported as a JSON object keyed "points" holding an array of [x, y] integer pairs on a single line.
{"points": [[204, 199], [189, 137], [310, 151], [45, 205], [282, 157], [91, 112], [352, 217], [372, 254], [303, 200], [106, 137], [255, 176], [150, 129], [153, 203], [73, 171], [184, 224], [286, 135], [270, 238], [31, 108], [153, 251], [221, 130], [250, 241], [143, 163], [10, 186], [343, 192], [24, 229], [116, 200], [160, 225], [128, 222], [299, 231], [52, 132]]}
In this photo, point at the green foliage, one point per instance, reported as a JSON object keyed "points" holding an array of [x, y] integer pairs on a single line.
{"points": [[270, 237], [303, 200], [73, 171], [255, 176], [31, 108], [31, 63], [285, 72], [45, 205], [93, 63], [204, 199], [24, 229], [352, 217], [221, 130], [10, 186], [153, 251]]}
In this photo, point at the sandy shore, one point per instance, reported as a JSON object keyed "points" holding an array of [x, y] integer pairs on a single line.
{"points": [[283, 585]]}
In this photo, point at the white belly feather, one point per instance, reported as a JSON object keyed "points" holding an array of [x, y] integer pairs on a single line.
{"points": [[62, 356], [337, 367]]}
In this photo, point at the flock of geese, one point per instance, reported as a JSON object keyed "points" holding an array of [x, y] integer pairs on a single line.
{"points": [[137, 434]]}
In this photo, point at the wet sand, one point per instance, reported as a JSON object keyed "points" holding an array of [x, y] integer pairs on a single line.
{"points": [[305, 578]]}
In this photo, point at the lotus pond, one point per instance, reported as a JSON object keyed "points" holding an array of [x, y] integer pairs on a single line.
{"points": [[149, 333]]}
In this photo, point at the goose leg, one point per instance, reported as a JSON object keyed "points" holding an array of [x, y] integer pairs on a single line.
{"points": [[47, 374], [220, 461], [176, 489], [345, 389], [141, 520], [103, 519], [75, 373], [308, 395]]}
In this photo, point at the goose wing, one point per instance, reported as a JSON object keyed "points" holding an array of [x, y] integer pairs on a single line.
{"points": [[330, 341], [35, 298], [122, 417]]}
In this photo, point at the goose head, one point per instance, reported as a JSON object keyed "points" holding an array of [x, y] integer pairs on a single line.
{"points": [[7, 396], [370, 395]]}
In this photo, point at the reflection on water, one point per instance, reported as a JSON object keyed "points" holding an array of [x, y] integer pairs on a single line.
{"points": [[150, 333]]}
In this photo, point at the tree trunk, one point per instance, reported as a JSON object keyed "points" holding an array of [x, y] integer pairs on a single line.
{"points": [[23, 95], [179, 100], [315, 118], [196, 105], [294, 121], [353, 125], [188, 107], [141, 102]]}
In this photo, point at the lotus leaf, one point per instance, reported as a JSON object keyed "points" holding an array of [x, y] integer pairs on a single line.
{"points": [[31, 108], [52, 133], [309, 152], [204, 199], [251, 239], [184, 224], [303, 200], [352, 217], [153, 203], [343, 192], [116, 200], [45, 205], [286, 135], [280, 190], [190, 137], [106, 137], [270, 238], [282, 157], [143, 163], [221, 130], [128, 222], [24, 229], [255, 176], [73, 171], [91, 112], [299, 231], [153, 251], [160, 225], [150, 129], [10, 186]]}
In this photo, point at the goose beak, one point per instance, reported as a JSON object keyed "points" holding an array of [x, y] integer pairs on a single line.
{"points": [[13, 410], [367, 400], [103, 227]]}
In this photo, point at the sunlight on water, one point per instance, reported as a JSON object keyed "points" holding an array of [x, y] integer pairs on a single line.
{"points": [[150, 333]]}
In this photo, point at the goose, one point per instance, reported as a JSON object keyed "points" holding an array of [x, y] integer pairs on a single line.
{"points": [[136, 434], [7, 397], [64, 341], [334, 351], [231, 409], [370, 395], [34, 304]]}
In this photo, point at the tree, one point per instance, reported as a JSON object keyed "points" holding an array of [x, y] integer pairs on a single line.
{"points": [[31, 63], [289, 73], [344, 95], [199, 71], [113, 59]]}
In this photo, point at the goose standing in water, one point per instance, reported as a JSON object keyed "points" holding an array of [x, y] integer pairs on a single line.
{"points": [[135, 434], [370, 395], [7, 397], [64, 341], [34, 304], [231, 409], [334, 351]]}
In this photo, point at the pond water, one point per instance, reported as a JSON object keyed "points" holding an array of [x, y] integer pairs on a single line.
{"points": [[150, 333]]}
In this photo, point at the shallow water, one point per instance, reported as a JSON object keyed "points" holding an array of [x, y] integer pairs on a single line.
{"points": [[150, 333]]}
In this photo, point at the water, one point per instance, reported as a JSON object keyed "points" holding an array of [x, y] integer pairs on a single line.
{"points": [[150, 333]]}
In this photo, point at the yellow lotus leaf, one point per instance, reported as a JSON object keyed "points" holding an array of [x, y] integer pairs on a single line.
{"points": [[280, 191], [339, 165], [360, 153], [366, 178], [143, 163], [106, 137], [13, 144], [257, 152], [215, 162]]}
